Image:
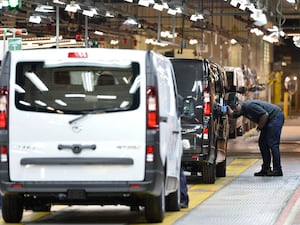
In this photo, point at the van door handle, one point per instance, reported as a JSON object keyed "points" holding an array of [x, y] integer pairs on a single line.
{"points": [[175, 132], [163, 119]]}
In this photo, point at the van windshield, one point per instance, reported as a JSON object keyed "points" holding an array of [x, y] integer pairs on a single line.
{"points": [[79, 89], [189, 76]]}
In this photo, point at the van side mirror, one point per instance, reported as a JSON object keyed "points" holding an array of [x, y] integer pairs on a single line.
{"points": [[189, 107]]}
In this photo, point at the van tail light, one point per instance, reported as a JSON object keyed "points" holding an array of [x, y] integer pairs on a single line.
{"points": [[152, 108], [207, 109], [3, 153], [150, 153], [3, 107], [205, 133]]}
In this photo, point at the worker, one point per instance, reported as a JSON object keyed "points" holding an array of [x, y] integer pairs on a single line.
{"points": [[269, 119]]}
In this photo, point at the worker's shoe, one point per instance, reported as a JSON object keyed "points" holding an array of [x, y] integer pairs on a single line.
{"points": [[263, 172], [275, 173], [184, 205]]}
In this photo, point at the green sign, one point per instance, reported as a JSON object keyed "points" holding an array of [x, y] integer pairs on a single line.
{"points": [[14, 44]]}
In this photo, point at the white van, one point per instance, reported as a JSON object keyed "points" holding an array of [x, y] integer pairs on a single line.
{"points": [[89, 126]]}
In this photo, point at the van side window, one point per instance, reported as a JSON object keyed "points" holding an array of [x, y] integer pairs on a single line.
{"points": [[73, 89]]}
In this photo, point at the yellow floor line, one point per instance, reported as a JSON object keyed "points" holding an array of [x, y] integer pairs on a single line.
{"points": [[200, 192]]}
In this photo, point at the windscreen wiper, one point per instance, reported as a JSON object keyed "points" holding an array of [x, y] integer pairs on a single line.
{"points": [[96, 111], [86, 114]]}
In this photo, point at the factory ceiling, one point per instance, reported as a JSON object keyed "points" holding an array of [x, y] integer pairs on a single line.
{"points": [[111, 15]]}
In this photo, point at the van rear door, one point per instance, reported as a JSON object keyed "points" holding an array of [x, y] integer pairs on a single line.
{"points": [[78, 121]]}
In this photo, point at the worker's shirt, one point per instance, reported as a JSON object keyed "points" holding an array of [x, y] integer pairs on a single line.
{"points": [[254, 109]]}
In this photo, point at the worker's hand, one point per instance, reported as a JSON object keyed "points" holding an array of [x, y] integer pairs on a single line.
{"points": [[229, 111]]}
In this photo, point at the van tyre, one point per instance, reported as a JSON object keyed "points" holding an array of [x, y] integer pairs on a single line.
{"points": [[209, 173], [12, 208], [173, 201], [221, 169], [155, 207]]}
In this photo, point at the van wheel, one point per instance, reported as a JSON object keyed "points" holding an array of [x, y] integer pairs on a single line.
{"points": [[209, 173], [173, 201], [221, 169], [12, 208], [155, 207]]}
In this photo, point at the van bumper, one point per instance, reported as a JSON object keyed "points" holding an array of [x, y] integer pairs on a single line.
{"points": [[151, 185]]}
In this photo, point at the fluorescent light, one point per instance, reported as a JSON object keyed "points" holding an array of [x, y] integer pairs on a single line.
{"points": [[193, 42], [36, 81], [145, 3], [88, 13], [259, 17], [98, 32], [165, 5], [178, 10], [75, 95], [158, 7], [35, 19], [44, 8], [172, 11], [196, 17], [130, 21], [233, 41], [234, 3], [128, 0], [109, 14], [167, 34], [92, 12], [87, 80], [58, 2], [72, 7], [256, 31], [106, 97], [19, 89], [24, 103], [60, 102], [39, 102]]}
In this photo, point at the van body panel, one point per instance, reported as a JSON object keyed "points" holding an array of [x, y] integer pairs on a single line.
{"points": [[99, 130], [204, 124]]}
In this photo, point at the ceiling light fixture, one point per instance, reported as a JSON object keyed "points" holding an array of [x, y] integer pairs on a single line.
{"points": [[130, 21], [109, 14], [234, 3], [45, 8], [178, 10], [92, 12], [98, 32], [172, 11], [146, 3], [196, 16], [158, 7], [59, 2], [35, 19], [259, 17], [72, 7]]}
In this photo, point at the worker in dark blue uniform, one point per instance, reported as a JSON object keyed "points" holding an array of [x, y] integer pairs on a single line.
{"points": [[184, 196], [269, 119]]}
